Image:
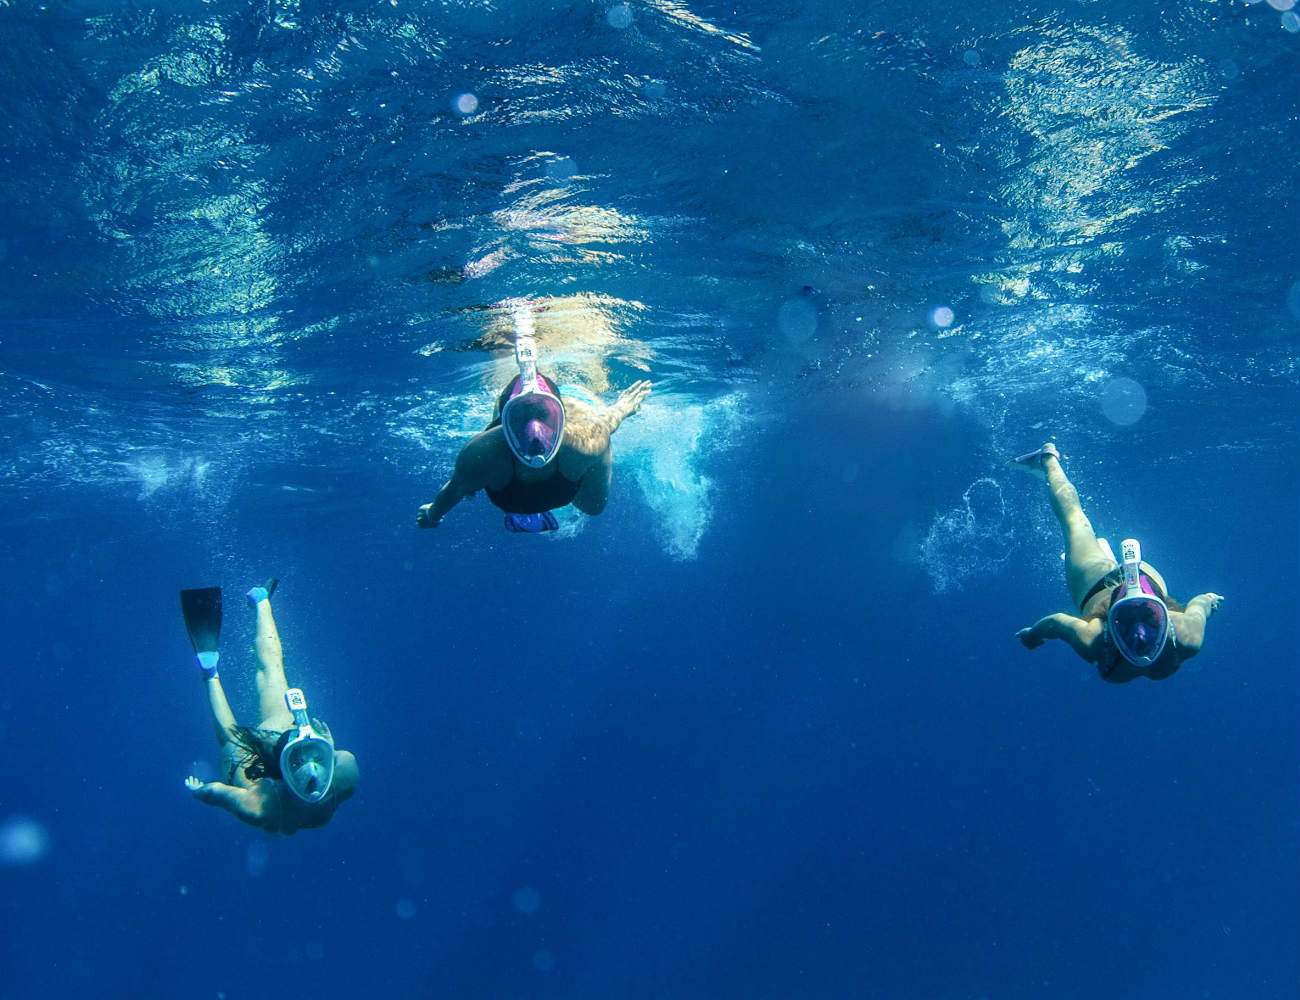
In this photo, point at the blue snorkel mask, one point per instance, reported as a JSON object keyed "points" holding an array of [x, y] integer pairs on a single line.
{"points": [[1138, 622], [307, 760], [532, 418]]}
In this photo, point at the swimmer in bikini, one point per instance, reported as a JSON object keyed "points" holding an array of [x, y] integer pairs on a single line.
{"points": [[284, 774], [546, 446], [1128, 625]]}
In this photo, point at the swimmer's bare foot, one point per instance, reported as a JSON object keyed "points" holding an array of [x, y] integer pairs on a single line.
{"points": [[1032, 462]]}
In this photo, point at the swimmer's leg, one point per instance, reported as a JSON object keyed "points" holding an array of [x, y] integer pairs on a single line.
{"points": [[223, 719], [1085, 560], [271, 684]]}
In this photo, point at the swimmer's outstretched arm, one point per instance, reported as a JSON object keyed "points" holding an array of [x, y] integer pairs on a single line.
{"points": [[244, 803], [1191, 623], [480, 463], [1079, 634], [451, 494]]}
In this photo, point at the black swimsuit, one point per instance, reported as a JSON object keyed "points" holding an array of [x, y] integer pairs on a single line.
{"points": [[533, 498]]}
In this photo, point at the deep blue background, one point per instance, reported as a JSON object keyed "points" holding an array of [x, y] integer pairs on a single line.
{"points": [[802, 757]]}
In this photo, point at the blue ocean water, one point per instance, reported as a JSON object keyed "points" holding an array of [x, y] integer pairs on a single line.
{"points": [[761, 729]]}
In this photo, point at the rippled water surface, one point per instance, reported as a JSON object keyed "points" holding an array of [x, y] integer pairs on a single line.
{"points": [[760, 729]]}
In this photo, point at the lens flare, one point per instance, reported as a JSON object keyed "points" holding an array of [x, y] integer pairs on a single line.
{"points": [[527, 900], [1123, 401], [23, 841]]}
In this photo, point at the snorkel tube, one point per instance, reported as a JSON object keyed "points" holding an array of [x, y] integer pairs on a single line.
{"points": [[307, 760], [525, 346], [1130, 551], [1138, 622]]}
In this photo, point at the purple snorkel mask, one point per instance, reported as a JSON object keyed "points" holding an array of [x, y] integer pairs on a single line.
{"points": [[1138, 623], [532, 419]]}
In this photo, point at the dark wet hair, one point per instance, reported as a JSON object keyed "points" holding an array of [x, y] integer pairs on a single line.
{"points": [[258, 750]]}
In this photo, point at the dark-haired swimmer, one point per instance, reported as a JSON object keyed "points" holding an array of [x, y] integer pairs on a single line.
{"points": [[546, 446], [1128, 625], [284, 774]]}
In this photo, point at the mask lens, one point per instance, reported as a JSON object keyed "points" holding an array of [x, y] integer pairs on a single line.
{"points": [[308, 768], [532, 423], [1139, 627]]}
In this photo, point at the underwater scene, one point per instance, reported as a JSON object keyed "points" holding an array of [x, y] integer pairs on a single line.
{"points": [[652, 499]]}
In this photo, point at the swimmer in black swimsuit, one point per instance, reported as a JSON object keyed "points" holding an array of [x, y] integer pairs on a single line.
{"points": [[1129, 625], [545, 447]]}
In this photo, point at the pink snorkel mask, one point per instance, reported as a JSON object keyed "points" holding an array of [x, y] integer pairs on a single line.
{"points": [[1138, 623], [532, 419]]}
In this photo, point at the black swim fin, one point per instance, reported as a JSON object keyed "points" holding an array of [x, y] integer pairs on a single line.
{"points": [[202, 611]]}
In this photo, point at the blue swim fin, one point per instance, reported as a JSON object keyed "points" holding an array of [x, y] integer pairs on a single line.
{"points": [[531, 523], [263, 593]]}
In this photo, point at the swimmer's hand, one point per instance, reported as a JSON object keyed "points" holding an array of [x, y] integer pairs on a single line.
{"points": [[193, 783], [631, 398], [1209, 603], [425, 519], [1029, 638]]}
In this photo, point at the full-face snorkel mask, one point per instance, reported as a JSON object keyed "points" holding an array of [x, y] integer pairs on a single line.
{"points": [[532, 419], [307, 760], [1138, 622]]}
